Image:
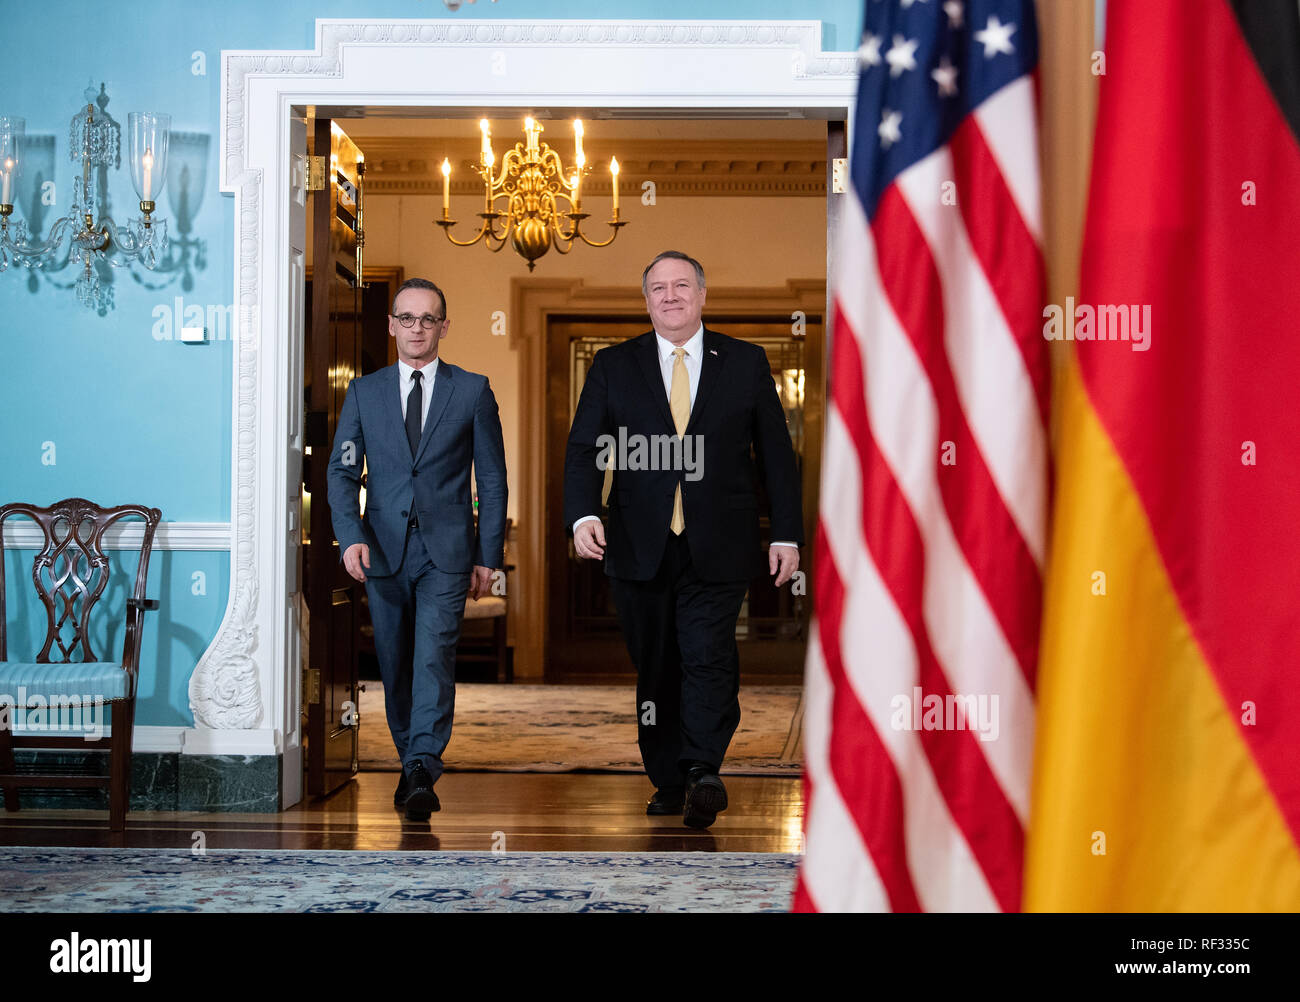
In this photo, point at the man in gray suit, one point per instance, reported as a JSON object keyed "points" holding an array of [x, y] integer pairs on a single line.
{"points": [[418, 425]]}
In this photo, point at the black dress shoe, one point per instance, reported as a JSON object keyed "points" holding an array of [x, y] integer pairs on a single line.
{"points": [[705, 797], [421, 801], [399, 795], [669, 800]]}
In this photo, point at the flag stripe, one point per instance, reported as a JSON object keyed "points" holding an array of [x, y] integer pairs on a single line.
{"points": [[861, 766], [1012, 260], [837, 873], [880, 665], [1137, 745], [996, 390], [994, 548], [972, 795], [1009, 122], [903, 423]]}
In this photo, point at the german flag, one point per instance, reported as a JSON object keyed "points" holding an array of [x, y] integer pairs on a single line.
{"points": [[1167, 765]]}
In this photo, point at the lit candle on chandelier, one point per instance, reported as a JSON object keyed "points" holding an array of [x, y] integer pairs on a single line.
{"points": [[577, 141], [487, 156], [613, 172], [8, 180], [577, 180], [446, 187], [147, 162]]}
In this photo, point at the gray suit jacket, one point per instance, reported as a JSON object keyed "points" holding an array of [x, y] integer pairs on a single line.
{"points": [[462, 426]]}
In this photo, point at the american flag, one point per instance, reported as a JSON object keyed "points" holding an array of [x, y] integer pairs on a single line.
{"points": [[927, 570]]}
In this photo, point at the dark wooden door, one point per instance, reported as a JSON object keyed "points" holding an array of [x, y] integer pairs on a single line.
{"points": [[333, 356], [584, 642]]}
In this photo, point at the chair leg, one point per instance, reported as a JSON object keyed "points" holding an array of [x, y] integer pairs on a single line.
{"points": [[7, 764], [499, 643], [119, 791]]}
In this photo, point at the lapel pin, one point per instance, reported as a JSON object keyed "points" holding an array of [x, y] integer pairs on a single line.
{"points": [[713, 351]]}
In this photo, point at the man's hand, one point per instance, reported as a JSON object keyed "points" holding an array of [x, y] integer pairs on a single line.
{"points": [[480, 582], [589, 540], [785, 558], [355, 557]]}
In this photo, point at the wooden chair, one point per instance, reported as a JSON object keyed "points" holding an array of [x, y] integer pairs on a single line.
{"points": [[486, 648], [70, 573]]}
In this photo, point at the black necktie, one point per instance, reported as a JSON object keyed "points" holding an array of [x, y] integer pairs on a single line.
{"points": [[414, 405]]}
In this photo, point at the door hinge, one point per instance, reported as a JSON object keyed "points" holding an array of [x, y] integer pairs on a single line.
{"points": [[315, 173], [839, 175], [311, 685]]}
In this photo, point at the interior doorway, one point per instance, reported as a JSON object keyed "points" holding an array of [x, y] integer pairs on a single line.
{"points": [[562, 628]]}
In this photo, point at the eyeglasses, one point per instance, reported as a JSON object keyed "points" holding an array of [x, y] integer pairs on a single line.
{"points": [[426, 321]]}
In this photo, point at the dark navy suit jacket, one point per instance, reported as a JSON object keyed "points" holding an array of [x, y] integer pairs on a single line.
{"points": [[462, 426], [741, 426]]}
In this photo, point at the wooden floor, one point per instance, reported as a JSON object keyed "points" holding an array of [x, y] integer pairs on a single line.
{"points": [[554, 812]]}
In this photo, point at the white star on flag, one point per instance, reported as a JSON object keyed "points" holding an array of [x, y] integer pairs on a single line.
{"points": [[902, 56], [954, 10], [908, 3], [869, 51], [996, 37], [945, 75], [888, 131]]}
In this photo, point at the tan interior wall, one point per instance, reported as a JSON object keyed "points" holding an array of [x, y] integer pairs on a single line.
{"points": [[741, 241]]}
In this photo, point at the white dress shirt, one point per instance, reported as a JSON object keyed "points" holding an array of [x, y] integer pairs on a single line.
{"points": [[405, 382], [694, 348], [694, 360]]}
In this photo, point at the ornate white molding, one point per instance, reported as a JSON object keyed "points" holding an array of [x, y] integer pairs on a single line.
{"points": [[408, 166], [224, 690], [22, 534], [245, 681]]}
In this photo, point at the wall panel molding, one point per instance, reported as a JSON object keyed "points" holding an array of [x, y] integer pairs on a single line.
{"points": [[24, 534]]}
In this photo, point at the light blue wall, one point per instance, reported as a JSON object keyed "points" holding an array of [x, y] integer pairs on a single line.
{"points": [[130, 417]]}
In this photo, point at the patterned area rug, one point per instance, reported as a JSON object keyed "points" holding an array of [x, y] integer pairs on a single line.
{"points": [[568, 728], [248, 880]]}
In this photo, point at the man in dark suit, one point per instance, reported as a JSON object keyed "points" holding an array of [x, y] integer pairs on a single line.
{"points": [[675, 413], [418, 425]]}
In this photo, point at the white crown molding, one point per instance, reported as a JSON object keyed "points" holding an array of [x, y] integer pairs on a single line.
{"points": [[24, 534], [247, 677], [406, 166]]}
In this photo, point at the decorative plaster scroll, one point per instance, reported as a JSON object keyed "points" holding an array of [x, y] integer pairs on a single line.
{"points": [[224, 690]]}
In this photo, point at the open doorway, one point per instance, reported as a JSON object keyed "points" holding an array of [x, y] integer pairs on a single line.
{"points": [[749, 198]]}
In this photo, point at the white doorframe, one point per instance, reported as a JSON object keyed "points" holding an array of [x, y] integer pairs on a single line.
{"points": [[245, 690]]}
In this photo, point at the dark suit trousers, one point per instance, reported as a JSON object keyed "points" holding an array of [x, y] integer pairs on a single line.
{"points": [[417, 613], [681, 633]]}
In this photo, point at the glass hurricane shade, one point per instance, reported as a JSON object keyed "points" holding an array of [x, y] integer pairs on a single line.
{"points": [[149, 134], [12, 132]]}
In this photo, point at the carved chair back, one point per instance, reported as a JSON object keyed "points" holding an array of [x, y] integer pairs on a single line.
{"points": [[71, 571]]}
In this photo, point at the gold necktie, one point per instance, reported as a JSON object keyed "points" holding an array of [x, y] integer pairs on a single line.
{"points": [[679, 402]]}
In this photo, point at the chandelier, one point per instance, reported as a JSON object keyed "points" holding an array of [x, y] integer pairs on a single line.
{"points": [[535, 186], [88, 232]]}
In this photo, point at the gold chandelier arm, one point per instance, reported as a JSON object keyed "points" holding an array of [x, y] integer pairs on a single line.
{"points": [[614, 224], [552, 166], [512, 161], [575, 219], [486, 230]]}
